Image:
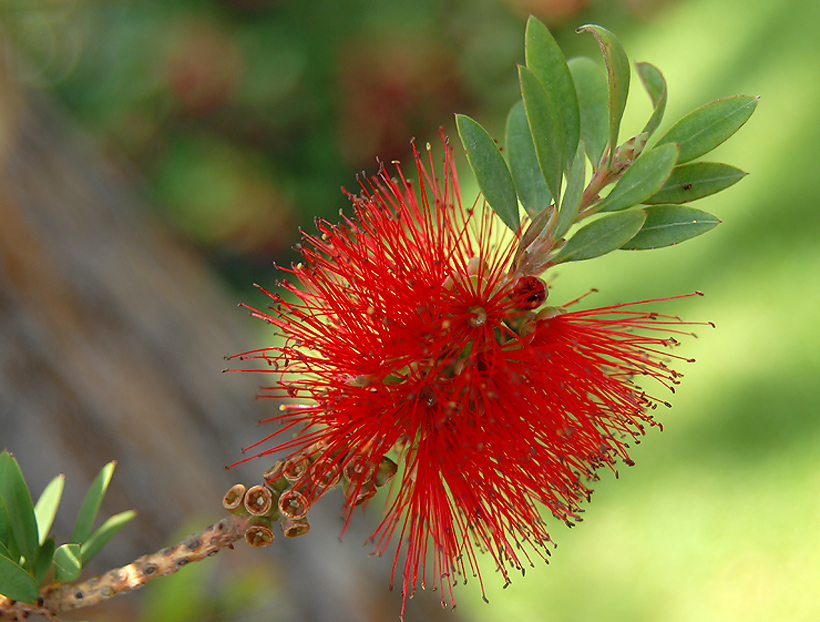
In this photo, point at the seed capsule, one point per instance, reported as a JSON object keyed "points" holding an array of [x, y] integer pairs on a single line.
{"points": [[293, 504], [232, 501], [293, 528], [259, 500], [258, 535]]}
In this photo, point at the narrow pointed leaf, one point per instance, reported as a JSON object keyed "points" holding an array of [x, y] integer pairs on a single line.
{"points": [[91, 503], [6, 537], [706, 127], [590, 84], [669, 224], [19, 512], [602, 236], [696, 180], [642, 179], [572, 197], [101, 536], [67, 563], [546, 61], [655, 85], [46, 507], [4, 551], [5, 528], [490, 170], [547, 136], [526, 172], [16, 583], [617, 69], [45, 558]]}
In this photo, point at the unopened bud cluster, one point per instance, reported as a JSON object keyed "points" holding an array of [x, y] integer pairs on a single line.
{"points": [[294, 484]]}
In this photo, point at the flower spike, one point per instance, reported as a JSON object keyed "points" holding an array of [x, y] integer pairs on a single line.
{"points": [[417, 343]]}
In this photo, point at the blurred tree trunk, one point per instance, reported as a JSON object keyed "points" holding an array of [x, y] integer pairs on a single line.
{"points": [[112, 338]]}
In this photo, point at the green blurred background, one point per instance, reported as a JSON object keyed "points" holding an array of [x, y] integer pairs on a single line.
{"points": [[239, 120]]}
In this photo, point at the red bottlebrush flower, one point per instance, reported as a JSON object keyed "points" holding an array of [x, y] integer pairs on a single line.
{"points": [[413, 336]]}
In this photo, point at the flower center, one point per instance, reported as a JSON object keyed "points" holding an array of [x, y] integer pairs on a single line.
{"points": [[478, 316]]}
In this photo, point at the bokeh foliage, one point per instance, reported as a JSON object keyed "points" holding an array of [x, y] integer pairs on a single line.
{"points": [[717, 520]]}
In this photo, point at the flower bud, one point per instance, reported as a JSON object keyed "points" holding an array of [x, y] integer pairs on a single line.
{"points": [[529, 292], [386, 471], [362, 496], [628, 152], [549, 312]]}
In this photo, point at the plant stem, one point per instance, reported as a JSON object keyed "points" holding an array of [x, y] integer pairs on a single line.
{"points": [[194, 548], [598, 182]]}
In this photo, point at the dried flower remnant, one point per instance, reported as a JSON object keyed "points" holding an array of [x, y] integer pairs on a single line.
{"points": [[415, 335]]}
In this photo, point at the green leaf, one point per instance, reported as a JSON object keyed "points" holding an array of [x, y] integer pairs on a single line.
{"points": [[572, 197], [67, 563], [97, 540], [590, 84], [19, 511], [696, 180], [655, 85], [45, 557], [16, 583], [546, 61], [669, 224], [46, 507], [4, 552], [644, 177], [547, 136], [526, 172], [91, 503], [617, 69], [5, 529], [490, 170], [6, 538], [602, 236], [706, 127]]}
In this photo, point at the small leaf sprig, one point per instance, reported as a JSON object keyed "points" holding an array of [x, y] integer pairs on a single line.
{"points": [[29, 557], [570, 113]]}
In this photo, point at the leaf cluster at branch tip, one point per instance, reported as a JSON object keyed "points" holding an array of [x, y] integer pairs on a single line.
{"points": [[561, 149], [28, 555]]}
